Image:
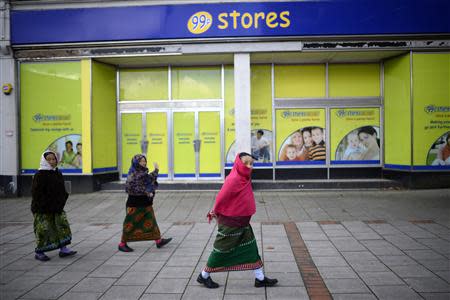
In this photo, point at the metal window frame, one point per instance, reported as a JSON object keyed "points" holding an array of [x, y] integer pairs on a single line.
{"points": [[170, 106], [327, 103]]}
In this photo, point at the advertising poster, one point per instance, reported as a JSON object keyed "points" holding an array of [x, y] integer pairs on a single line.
{"points": [[301, 136], [51, 115], [431, 127], [261, 115], [158, 142], [355, 135]]}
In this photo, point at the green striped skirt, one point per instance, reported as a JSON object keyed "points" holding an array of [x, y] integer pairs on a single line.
{"points": [[140, 225], [52, 231], [235, 249]]}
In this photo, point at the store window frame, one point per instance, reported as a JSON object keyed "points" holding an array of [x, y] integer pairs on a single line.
{"points": [[171, 105], [328, 103]]}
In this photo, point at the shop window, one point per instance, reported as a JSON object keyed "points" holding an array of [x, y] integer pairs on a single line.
{"points": [[301, 136], [431, 111], [261, 114], [195, 83], [300, 81], [144, 84], [354, 80], [355, 136], [51, 114]]}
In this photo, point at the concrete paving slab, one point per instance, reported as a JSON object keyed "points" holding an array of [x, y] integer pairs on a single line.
{"points": [[435, 296], [347, 285], [94, 285], [369, 233], [167, 286], [298, 293], [380, 278], [47, 291], [428, 285], [136, 278], [337, 272], [124, 293], [401, 292], [80, 295]]}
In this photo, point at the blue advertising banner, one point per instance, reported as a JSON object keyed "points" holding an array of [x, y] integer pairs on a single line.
{"points": [[267, 19]]}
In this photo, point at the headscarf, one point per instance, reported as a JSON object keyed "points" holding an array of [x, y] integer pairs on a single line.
{"points": [[137, 177], [135, 166], [44, 164], [235, 198]]}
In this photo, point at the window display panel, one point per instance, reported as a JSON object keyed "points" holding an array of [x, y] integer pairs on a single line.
{"points": [[301, 136], [355, 136]]}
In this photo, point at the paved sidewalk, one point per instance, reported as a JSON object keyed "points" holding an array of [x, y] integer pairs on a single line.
{"points": [[365, 245]]}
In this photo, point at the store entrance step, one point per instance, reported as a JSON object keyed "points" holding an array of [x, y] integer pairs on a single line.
{"points": [[311, 184]]}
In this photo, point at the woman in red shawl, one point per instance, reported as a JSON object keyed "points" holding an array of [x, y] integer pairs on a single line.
{"points": [[235, 246]]}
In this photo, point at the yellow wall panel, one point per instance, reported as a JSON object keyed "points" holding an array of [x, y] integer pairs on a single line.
{"points": [[300, 81], [354, 80]]}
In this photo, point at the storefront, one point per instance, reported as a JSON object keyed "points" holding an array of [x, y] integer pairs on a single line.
{"points": [[191, 85]]}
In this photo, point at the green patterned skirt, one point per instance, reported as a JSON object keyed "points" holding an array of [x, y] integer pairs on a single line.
{"points": [[235, 249], [140, 225], [52, 231]]}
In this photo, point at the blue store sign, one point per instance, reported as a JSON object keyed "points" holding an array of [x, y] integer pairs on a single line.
{"points": [[231, 20]]}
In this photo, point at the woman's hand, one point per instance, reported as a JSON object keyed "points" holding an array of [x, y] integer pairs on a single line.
{"points": [[150, 195], [155, 164], [211, 215]]}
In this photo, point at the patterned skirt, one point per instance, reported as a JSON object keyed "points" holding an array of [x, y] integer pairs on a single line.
{"points": [[140, 225], [235, 249], [52, 231]]}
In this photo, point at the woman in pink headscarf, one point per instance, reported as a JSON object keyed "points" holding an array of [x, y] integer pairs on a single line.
{"points": [[235, 247]]}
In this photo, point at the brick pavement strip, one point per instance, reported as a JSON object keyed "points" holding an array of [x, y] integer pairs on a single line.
{"points": [[314, 284], [365, 244]]}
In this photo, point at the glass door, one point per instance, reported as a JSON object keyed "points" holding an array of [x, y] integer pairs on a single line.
{"points": [[186, 144], [197, 145], [184, 135], [157, 139], [131, 139], [209, 154]]}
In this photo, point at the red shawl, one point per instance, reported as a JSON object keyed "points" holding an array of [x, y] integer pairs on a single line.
{"points": [[235, 198]]}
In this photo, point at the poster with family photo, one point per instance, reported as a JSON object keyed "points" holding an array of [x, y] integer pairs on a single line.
{"points": [[361, 144], [303, 146], [68, 151], [439, 153]]}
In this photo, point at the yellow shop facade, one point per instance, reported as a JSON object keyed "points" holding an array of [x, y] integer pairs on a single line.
{"points": [[192, 85]]}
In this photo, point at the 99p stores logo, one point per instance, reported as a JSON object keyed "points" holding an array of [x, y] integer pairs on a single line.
{"points": [[200, 22]]}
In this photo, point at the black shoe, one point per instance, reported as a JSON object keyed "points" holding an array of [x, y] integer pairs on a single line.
{"points": [[41, 257], [208, 282], [125, 248], [65, 254], [265, 282], [163, 242]]}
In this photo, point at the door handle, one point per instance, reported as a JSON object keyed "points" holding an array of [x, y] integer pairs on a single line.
{"points": [[197, 144]]}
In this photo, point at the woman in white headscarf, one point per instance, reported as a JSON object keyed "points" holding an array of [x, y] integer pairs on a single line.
{"points": [[49, 197]]}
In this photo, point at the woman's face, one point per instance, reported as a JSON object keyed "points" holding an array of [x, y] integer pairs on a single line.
{"points": [[247, 161], [51, 159], [69, 147], [143, 162], [297, 139], [79, 148], [307, 138], [368, 140]]}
